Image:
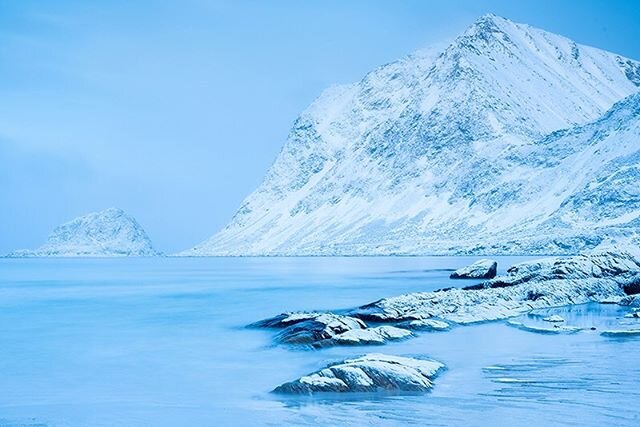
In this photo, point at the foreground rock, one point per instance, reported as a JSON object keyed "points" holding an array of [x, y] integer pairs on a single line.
{"points": [[327, 329], [369, 373], [483, 269], [545, 283], [553, 319]]}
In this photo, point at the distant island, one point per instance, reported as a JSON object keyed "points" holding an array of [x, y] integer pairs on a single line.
{"points": [[108, 233]]}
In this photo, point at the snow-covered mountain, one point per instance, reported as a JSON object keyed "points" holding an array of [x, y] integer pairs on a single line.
{"points": [[457, 152], [107, 233]]}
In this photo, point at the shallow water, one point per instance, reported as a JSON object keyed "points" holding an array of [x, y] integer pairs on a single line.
{"points": [[161, 342]]}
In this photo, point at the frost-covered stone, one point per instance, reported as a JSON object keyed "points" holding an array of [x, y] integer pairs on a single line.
{"points": [[555, 329], [633, 315], [377, 335], [327, 329], [107, 233], [507, 141], [483, 269], [287, 319], [426, 325], [369, 373], [550, 282], [554, 319]]}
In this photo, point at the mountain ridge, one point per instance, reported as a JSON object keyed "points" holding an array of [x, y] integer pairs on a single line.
{"points": [[414, 158]]}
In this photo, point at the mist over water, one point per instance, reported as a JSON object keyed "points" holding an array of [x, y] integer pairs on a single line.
{"points": [[162, 342]]}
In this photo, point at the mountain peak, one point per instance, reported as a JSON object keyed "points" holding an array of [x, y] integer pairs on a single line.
{"points": [[423, 153]]}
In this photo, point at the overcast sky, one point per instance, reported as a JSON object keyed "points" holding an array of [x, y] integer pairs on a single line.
{"points": [[174, 110]]}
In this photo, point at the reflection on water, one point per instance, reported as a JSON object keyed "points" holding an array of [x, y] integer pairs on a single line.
{"points": [[162, 342]]}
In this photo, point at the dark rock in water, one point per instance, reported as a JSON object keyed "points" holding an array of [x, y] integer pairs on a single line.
{"points": [[327, 329], [285, 319], [369, 373], [318, 328], [483, 269]]}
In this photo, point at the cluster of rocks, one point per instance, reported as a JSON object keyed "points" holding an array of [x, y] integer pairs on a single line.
{"points": [[609, 276]]}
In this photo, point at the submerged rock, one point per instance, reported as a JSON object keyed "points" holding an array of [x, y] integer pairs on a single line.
{"points": [[483, 269], [327, 329], [621, 333], [555, 329], [369, 373], [554, 318], [551, 282]]}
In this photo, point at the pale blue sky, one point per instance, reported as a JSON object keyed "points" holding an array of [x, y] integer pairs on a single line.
{"points": [[174, 110]]}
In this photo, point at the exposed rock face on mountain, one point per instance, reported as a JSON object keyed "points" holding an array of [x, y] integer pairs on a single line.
{"points": [[328, 329], [551, 282], [107, 233], [483, 269], [508, 141], [372, 372]]}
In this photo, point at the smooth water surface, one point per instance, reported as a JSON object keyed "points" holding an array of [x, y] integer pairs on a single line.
{"points": [[161, 342]]}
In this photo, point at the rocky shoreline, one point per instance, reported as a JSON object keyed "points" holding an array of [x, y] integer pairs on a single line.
{"points": [[606, 276]]}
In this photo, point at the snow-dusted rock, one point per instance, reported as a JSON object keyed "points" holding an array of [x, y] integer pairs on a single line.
{"points": [[633, 315], [554, 319], [555, 329], [482, 269], [327, 329], [287, 319], [425, 325], [550, 282], [376, 336], [506, 141], [107, 233], [369, 373]]}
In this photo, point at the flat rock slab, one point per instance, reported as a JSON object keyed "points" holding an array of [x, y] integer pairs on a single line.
{"points": [[555, 329], [483, 269], [369, 373]]}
